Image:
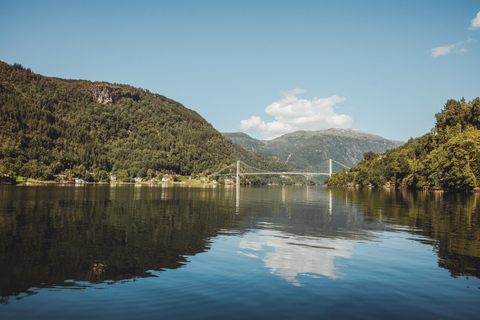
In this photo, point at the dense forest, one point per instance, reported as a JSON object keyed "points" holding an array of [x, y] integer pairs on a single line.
{"points": [[445, 158], [94, 129]]}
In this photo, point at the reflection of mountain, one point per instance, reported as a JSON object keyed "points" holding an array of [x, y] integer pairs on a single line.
{"points": [[301, 230], [49, 235], [452, 220], [290, 256], [304, 211]]}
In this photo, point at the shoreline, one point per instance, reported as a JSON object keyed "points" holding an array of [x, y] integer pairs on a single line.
{"points": [[425, 189]]}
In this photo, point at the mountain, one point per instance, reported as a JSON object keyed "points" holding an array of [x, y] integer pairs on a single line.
{"points": [[446, 158], [305, 149], [50, 126]]}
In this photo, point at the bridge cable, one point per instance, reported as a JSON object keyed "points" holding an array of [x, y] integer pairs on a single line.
{"points": [[341, 164]]}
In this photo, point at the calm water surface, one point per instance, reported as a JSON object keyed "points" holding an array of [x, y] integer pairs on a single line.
{"points": [[165, 252]]}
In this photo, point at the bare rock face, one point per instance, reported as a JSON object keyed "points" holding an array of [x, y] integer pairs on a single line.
{"points": [[106, 94]]}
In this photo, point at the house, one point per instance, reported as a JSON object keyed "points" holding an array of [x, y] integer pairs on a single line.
{"points": [[203, 178], [137, 179], [113, 177]]}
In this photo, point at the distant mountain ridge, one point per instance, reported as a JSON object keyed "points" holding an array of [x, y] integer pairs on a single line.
{"points": [[304, 149]]}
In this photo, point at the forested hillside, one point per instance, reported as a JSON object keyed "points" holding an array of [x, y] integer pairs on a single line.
{"points": [[94, 129], [48, 125], [446, 158], [306, 149]]}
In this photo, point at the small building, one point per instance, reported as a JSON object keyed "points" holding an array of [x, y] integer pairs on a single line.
{"points": [[138, 179], [113, 177]]}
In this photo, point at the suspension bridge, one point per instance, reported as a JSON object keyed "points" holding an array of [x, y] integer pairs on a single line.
{"points": [[227, 171]]}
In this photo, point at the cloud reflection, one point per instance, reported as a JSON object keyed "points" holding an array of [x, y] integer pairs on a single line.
{"points": [[289, 256]]}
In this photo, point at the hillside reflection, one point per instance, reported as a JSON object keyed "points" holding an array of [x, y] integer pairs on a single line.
{"points": [[51, 235], [451, 220]]}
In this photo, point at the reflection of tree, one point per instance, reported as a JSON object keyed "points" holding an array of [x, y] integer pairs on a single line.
{"points": [[96, 273], [96, 233], [304, 211], [452, 219]]}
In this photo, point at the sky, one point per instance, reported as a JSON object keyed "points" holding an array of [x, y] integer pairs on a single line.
{"points": [[265, 68]]}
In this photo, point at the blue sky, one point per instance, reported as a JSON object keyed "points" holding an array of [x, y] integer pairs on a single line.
{"points": [[264, 67]]}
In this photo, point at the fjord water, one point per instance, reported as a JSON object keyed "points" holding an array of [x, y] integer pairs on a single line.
{"points": [[273, 252]]}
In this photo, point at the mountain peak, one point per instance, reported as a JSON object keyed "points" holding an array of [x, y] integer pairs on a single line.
{"points": [[302, 149]]}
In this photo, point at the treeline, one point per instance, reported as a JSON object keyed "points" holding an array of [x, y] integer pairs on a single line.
{"points": [[445, 158], [49, 125]]}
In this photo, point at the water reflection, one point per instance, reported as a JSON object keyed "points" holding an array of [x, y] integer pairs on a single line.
{"points": [[289, 256], [51, 235], [301, 231], [54, 236], [449, 220]]}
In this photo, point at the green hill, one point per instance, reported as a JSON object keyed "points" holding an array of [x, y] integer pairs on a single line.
{"points": [[50, 126], [445, 158], [305, 149]]}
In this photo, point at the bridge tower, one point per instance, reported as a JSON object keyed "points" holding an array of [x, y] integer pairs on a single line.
{"points": [[238, 173]]}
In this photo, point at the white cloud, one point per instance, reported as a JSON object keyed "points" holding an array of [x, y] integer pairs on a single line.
{"points": [[455, 48], [441, 51], [292, 114], [475, 24]]}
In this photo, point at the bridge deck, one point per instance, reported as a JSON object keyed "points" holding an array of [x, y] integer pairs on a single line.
{"points": [[270, 173], [282, 173], [238, 173]]}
